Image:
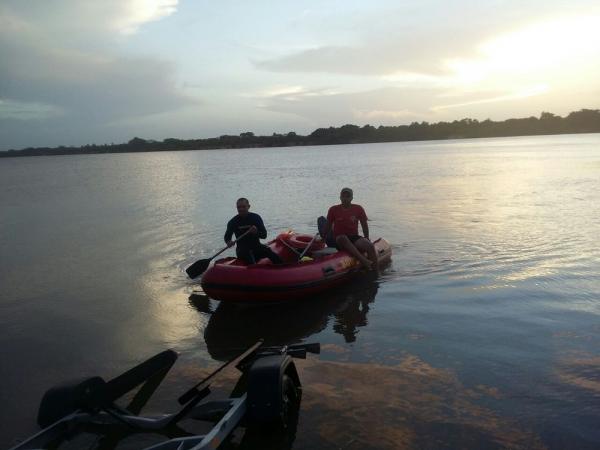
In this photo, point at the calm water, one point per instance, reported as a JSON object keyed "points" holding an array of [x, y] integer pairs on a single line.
{"points": [[483, 333]]}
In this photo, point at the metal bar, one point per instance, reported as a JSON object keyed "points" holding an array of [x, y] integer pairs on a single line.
{"points": [[215, 437], [225, 426], [194, 391], [40, 439]]}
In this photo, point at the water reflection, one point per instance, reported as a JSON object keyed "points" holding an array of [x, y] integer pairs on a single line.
{"points": [[496, 251], [233, 327]]}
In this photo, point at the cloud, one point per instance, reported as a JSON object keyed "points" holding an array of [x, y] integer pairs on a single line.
{"points": [[330, 59], [83, 83], [402, 105], [10, 109], [97, 87], [138, 12], [386, 105], [405, 38], [475, 71], [379, 59], [88, 17], [396, 41], [485, 97]]}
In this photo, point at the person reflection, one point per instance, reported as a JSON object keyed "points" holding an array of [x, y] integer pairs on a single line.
{"points": [[231, 327], [352, 317]]}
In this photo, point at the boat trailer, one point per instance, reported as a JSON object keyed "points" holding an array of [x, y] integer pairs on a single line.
{"points": [[267, 394]]}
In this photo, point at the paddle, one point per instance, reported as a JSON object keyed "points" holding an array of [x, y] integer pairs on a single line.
{"points": [[201, 265], [308, 246]]}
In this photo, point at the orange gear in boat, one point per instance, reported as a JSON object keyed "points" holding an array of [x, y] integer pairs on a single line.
{"points": [[299, 241]]}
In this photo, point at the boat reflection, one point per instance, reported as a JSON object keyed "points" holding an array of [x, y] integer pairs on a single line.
{"points": [[232, 327]]}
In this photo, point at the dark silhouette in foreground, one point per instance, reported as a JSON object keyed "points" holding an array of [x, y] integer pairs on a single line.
{"points": [[265, 400]]}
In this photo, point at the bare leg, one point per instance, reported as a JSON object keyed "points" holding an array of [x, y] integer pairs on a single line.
{"points": [[365, 246], [344, 244]]}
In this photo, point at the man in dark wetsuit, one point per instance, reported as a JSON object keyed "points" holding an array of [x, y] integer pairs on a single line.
{"points": [[249, 248]]}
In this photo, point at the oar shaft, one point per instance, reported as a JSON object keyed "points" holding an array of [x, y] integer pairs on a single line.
{"points": [[201, 265], [307, 247], [222, 250]]}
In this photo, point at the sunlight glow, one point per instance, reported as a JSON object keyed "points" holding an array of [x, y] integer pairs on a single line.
{"points": [[378, 114], [522, 93], [283, 90], [291, 93], [545, 49], [413, 78]]}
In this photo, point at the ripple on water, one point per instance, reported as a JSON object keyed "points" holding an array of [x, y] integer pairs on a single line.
{"points": [[491, 264]]}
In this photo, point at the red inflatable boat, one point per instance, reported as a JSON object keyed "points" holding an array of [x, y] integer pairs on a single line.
{"points": [[322, 268]]}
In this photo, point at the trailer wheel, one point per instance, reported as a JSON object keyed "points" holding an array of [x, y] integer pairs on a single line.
{"points": [[289, 399], [280, 431], [274, 392]]}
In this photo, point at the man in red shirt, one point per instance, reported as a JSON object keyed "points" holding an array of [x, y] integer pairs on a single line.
{"points": [[343, 219]]}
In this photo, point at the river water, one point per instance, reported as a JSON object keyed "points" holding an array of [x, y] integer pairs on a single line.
{"points": [[484, 332]]}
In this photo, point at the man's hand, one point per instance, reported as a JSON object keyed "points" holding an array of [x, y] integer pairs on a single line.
{"points": [[253, 229], [230, 244]]}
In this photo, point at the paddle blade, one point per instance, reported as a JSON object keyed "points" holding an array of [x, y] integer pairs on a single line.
{"points": [[197, 268]]}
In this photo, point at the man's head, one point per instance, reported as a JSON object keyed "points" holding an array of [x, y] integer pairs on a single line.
{"points": [[242, 206], [346, 196]]}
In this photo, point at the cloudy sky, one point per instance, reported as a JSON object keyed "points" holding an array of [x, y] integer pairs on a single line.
{"points": [[83, 71]]}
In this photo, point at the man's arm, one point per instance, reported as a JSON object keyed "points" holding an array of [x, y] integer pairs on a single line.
{"points": [[260, 226], [365, 227], [363, 222], [229, 232], [328, 225]]}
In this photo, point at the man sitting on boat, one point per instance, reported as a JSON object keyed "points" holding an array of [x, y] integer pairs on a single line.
{"points": [[343, 220], [249, 228]]}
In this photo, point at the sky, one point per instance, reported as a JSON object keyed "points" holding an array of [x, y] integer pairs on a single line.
{"points": [[75, 72]]}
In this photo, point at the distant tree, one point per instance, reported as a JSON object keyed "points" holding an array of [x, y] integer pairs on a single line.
{"points": [[582, 121], [368, 128], [585, 120], [548, 116], [137, 142]]}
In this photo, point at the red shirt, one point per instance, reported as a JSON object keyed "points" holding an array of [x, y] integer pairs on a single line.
{"points": [[345, 220]]}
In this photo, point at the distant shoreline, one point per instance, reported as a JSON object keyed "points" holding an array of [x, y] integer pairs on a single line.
{"points": [[578, 122]]}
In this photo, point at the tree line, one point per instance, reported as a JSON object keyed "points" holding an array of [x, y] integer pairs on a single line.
{"points": [[582, 121]]}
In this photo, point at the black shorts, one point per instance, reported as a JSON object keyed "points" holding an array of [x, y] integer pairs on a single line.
{"points": [[352, 237]]}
